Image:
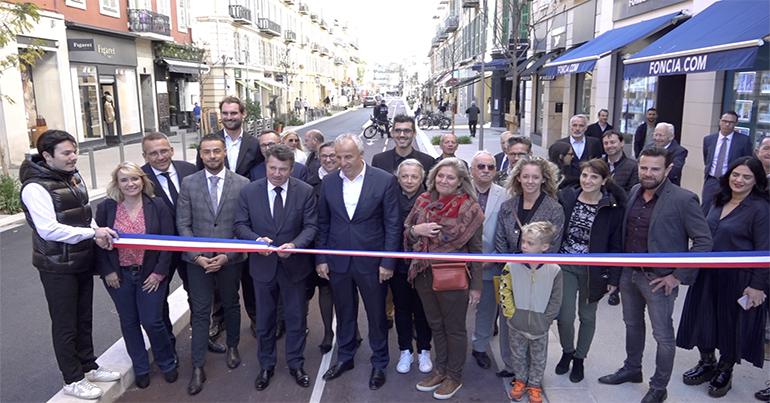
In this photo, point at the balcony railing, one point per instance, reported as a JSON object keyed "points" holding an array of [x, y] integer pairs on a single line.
{"points": [[451, 23], [240, 14], [314, 16], [470, 3], [354, 44], [148, 22], [314, 48], [303, 9], [288, 2], [339, 61], [290, 36], [269, 27], [323, 24], [324, 51]]}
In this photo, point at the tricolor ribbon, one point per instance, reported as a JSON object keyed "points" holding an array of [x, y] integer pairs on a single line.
{"points": [[752, 259]]}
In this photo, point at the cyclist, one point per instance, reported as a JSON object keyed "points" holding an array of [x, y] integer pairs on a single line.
{"points": [[380, 114]]}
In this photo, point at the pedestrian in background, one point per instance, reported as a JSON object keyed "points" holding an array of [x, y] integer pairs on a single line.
{"points": [[515, 149], [473, 117], [601, 126], [663, 137], [561, 155], [530, 295], [196, 116], [643, 134], [448, 145], [584, 148], [137, 280], [624, 170]]}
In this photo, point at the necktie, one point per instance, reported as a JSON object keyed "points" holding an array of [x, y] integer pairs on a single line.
{"points": [[278, 206], [504, 168], [214, 180], [171, 187], [721, 158]]}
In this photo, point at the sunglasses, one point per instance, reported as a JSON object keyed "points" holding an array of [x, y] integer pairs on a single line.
{"points": [[482, 167]]}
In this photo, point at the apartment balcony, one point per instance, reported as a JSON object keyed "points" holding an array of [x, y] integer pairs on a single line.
{"points": [[355, 59], [290, 36], [148, 22], [354, 44], [315, 48], [240, 14], [451, 23], [323, 51], [303, 9], [470, 3], [314, 16], [323, 24], [435, 42], [269, 27], [289, 2], [339, 61]]}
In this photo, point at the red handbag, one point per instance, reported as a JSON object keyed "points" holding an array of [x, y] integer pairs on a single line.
{"points": [[451, 276]]}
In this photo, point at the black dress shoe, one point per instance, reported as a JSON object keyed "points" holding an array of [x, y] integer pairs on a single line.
{"points": [[171, 376], [377, 379], [614, 298], [505, 374], [390, 323], [622, 376], [233, 358], [280, 329], [300, 376], [763, 395], [215, 329], [142, 381], [655, 396], [338, 369], [563, 366], [703, 372], [196, 381], [263, 379], [482, 359], [215, 347], [722, 382]]}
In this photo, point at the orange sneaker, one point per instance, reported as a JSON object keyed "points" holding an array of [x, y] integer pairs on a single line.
{"points": [[518, 390], [535, 394]]}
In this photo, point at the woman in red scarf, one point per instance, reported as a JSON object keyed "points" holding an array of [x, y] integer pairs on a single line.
{"points": [[446, 218]]}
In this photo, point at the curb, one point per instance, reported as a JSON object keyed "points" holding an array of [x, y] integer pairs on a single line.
{"points": [[323, 119], [116, 357], [12, 221]]}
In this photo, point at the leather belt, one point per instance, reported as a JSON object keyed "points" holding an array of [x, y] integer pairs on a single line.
{"points": [[133, 267]]}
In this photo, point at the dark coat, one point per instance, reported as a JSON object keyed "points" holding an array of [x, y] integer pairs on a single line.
{"points": [[183, 169], [626, 173], [606, 234], [679, 157], [740, 146], [248, 156], [593, 149], [157, 220], [595, 131], [640, 137], [388, 160], [259, 171]]}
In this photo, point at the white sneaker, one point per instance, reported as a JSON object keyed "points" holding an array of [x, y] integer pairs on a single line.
{"points": [[405, 362], [102, 375], [82, 389], [426, 365]]}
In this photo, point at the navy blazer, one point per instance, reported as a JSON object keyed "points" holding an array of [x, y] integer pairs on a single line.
{"points": [[679, 156], [740, 146], [640, 137], [593, 149], [375, 223], [248, 155], [259, 171], [300, 227], [595, 131], [157, 220], [183, 168]]}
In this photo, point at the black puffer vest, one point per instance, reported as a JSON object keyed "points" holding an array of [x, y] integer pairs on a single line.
{"points": [[70, 202]]}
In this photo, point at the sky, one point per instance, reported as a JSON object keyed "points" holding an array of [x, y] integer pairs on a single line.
{"points": [[388, 30]]}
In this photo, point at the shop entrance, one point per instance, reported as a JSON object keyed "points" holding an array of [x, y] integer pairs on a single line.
{"points": [[110, 108]]}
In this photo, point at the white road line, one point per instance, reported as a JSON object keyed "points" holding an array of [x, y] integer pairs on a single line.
{"points": [[385, 146], [320, 384]]}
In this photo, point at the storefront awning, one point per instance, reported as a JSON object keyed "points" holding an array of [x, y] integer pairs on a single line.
{"points": [[267, 83], [724, 36], [584, 57], [179, 66], [534, 68], [471, 80], [493, 65]]}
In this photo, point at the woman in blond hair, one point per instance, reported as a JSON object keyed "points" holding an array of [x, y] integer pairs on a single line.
{"points": [[291, 139]]}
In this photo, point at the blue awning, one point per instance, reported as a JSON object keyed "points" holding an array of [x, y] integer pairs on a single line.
{"points": [[584, 57], [494, 64], [724, 36]]}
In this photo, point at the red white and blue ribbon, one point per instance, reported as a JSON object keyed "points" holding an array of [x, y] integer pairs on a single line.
{"points": [[750, 259]]}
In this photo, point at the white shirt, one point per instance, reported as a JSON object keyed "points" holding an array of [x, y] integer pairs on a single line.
{"points": [[578, 146], [233, 148], [351, 191], [271, 194], [720, 141], [40, 206], [321, 172], [164, 182], [300, 156], [220, 184]]}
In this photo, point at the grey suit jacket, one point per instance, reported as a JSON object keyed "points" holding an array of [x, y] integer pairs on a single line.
{"points": [[497, 195], [195, 216], [676, 219]]}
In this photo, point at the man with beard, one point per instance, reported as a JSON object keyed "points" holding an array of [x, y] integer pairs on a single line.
{"points": [[623, 169], [601, 126], [661, 217], [313, 139], [643, 134], [403, 135]]}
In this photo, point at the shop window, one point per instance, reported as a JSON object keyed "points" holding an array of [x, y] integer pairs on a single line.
{"points": [[748, 94], [89, 100], [583, 83], [128, 101], [181, 15], [639, 94]]}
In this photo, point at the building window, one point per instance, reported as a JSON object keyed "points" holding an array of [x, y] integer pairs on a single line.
{"points": [[89, 105], [128, 101], [583, 83], [81, 4], [163, 7], [181, 15], [748, 94], [110, 8], [639, 94]]}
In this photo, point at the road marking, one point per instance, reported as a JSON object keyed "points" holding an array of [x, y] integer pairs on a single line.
{"points": [[320, 383], [385, 146]]}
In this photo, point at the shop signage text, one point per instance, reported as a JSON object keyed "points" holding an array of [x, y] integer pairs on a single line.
{"points": [[93, 48], [715, 61], [80, 45], [679, 65], [628, 8], [567, 68]]}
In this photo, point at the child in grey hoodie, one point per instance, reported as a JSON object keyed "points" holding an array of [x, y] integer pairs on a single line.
{"points": [[530, 295]]}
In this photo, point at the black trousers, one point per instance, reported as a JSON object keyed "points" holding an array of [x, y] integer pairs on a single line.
{"points": [[202, 285], [70, 304], [472, 126], [182, 270], [410, 317]]}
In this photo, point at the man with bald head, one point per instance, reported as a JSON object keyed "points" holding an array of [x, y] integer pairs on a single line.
{"points": [[500, 157], [663, 137], [313, 139]]}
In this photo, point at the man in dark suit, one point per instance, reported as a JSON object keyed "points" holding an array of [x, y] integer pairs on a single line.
{"points": [[242, 149], [206, 208], [624, 170], [585, 148], [357, 210], [500, 157], [281, 211], [313, 139], [516, 148], [660, 217], [403, 136], [596, 130], [719, 150], [266, 140], [663, 137], [166, 174], [643, 134]]}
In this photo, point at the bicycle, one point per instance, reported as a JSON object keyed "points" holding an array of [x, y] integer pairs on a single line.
{"points": [[434, 119], [377, 127]]}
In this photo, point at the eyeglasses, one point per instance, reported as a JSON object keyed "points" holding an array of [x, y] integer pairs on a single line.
{"points": [[729, 122], [293, 140], [403, 131], [327, 156], [266, 145], [520, 155], [482, 167]]}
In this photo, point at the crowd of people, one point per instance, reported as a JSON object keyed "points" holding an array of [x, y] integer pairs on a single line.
{"points": [[588, 197]]}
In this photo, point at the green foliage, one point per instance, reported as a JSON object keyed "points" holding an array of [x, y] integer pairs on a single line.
{"points": [[182, 52], [295, 121], [464, 140], [10, 202], [435, 140], [193, 146], [18, 19], [253, 110]]}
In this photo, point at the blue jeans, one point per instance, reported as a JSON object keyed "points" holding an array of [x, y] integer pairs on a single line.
{"points": [[636, 293], [137, 307]]}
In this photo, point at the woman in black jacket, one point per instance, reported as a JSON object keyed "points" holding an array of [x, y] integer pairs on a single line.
{"points": [[137, 279], [593, 213]]}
